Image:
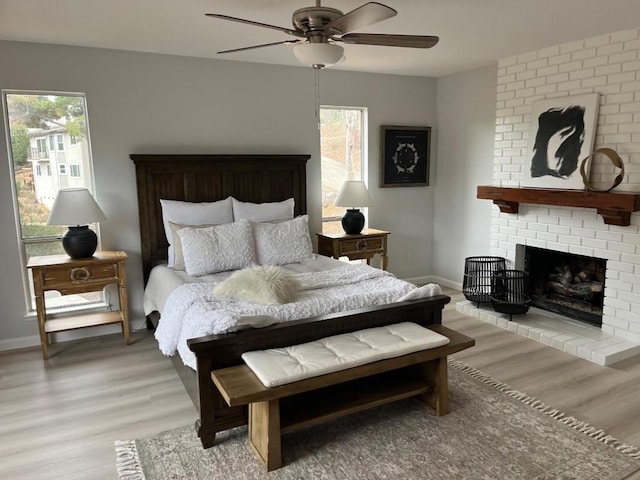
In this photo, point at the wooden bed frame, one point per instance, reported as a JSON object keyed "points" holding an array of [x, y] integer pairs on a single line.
{"points": [[248, 178]]}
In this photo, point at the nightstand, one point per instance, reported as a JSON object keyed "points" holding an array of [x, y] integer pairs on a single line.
{"points": [[69, 276], [364, 245]]}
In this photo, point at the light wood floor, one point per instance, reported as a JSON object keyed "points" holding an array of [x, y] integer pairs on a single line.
{"points": [[59, 419]]}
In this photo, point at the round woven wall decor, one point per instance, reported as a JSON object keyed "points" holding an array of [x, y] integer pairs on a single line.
{"points": [[615, 160]]}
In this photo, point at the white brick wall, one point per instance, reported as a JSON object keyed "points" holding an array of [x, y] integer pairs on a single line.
{"points": [[609, 65]]}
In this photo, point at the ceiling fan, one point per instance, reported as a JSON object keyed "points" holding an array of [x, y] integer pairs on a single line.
{"points": [[317, 30]]}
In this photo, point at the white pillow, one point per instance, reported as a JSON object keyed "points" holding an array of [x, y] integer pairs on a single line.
{"points": [[283, 243], [191, 213], [218, 248], [263, 212], [263, 285], [178, 256]]}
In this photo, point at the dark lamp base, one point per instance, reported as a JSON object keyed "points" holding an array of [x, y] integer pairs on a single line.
{"points": [[80, 242], [353, 221]]}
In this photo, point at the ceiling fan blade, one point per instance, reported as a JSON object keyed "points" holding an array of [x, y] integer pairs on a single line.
{"points": [[411, 41], [367, 14], [285, 42], [256, 24]]}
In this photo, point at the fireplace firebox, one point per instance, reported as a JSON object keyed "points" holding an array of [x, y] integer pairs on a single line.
{"points": [[565, 283]]}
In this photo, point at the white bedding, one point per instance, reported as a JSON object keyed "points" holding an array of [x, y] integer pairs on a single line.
{"points": [[190, 309], [164, 280]]}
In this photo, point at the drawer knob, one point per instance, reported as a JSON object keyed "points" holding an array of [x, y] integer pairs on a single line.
{"points": [[361, 245], [80, 274]]}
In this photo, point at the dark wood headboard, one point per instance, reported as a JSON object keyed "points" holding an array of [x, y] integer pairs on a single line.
{"points": [[208, 178]]}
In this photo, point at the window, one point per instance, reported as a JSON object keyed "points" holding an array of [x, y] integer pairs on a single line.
{"points": [[73, 140], [342, 148], [74, 169], [62, 169], [42, 147], [29, 121]]}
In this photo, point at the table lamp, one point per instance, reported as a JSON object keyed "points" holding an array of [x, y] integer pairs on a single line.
{"points": [[76, 208], [353, 194]]}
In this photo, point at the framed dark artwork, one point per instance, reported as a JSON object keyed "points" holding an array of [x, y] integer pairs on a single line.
{"points": [[561, 136], [404, 156]]}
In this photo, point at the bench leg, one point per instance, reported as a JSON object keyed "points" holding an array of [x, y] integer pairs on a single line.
{"points": [[435, 373], [264, 433]]}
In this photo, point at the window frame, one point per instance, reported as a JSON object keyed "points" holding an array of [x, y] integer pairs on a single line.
{"points": [[74, 170], [22, 241], [364, 152], [41, 147]]}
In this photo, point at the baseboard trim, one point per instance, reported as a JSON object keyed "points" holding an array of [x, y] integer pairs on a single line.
{"points": [[98, 331], [18, 343], [446, 283], [434, 279]]}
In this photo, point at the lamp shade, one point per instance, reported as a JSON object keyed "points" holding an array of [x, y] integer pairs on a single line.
{"points": [[354, 193], [318, 55], [75, 206]]}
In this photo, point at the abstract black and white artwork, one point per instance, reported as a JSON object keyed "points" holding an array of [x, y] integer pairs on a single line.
{"points": [[561, 135]]}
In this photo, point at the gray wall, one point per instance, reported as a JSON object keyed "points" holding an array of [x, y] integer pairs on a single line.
{"points": [[147, 103], [466, 105]]}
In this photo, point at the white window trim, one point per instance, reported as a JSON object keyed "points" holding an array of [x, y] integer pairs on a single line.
{"points": [[364, 141], [91, 180]]}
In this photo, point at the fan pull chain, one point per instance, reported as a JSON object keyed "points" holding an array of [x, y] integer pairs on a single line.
{"points": [[317, 87]]}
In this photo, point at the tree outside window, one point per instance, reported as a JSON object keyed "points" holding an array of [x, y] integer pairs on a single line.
{"points": [[342, 136]]}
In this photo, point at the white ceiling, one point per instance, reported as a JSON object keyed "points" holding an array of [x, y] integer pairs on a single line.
{"points": [[473, 33]]}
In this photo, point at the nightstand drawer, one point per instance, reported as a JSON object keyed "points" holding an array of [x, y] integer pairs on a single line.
{"points": [[361, 245], [81, 274]]}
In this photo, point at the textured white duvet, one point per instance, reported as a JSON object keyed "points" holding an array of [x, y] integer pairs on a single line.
{"points": [[192, 310]]}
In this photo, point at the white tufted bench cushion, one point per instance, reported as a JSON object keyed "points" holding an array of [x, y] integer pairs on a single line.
{"points": [[278, 366]]}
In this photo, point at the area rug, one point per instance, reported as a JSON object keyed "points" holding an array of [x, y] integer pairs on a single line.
{"points": [[491, 432]]}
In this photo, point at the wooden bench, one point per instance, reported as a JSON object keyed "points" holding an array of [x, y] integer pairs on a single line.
{"points": [[276, 410]]}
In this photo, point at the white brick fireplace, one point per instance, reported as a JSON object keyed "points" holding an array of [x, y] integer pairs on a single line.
{"points": [[610, 66]]}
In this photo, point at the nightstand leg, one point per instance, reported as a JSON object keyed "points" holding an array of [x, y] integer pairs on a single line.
{"points": [[124, 303], [42, 317], [384, 260]]}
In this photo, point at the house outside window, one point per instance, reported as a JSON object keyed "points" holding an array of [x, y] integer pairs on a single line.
{"points": [[343, 157], [33, 195]]}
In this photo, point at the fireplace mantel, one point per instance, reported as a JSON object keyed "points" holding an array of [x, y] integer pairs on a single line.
{"points": [[615, 208]]}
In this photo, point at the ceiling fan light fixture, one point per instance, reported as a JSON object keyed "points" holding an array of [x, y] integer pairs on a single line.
{"points": [[318, 55]]}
